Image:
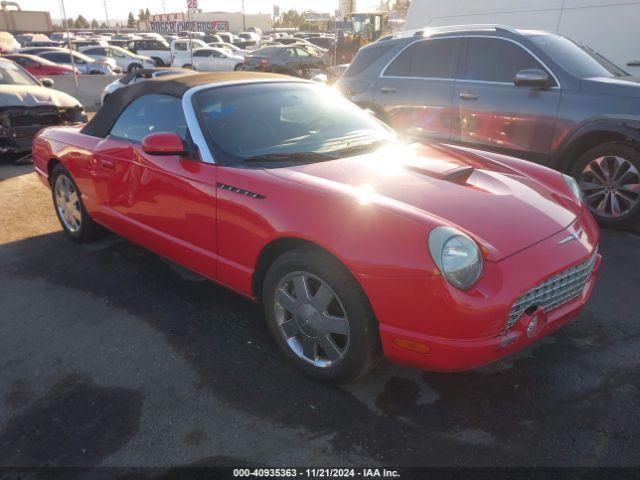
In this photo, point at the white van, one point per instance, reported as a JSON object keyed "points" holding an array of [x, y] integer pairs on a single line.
{"points": [[610, 27]]}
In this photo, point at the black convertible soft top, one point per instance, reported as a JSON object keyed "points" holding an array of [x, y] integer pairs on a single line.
{"points": [[174, 85]]}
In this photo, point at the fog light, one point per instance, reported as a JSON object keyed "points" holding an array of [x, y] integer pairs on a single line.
{"points": [[531, 328]]}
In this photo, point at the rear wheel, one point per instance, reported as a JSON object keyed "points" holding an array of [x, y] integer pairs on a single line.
{"points": [[70, 210], [609, 176], [188, 66], [320, 317], [133, 67], [238, 67]]}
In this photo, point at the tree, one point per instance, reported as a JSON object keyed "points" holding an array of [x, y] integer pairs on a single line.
{"points": [[131, 21], [292, 18], [147, 14], [103, 25], [94, 24], [81, 22], [401, 6]]}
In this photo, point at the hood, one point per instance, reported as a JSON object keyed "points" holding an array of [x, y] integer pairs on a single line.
{"points": [[623, 86], [501, 208], [33, 96]]}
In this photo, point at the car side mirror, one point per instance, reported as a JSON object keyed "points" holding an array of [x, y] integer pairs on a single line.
{"points": [[46, 82], [163, 144], [533, 77]]}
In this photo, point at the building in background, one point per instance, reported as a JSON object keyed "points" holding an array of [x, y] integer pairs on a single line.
{"points": [[206, 22], [347, 7], [14, 19]]}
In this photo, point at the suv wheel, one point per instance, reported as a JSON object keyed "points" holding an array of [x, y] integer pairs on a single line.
{"points": [[609, 176]]}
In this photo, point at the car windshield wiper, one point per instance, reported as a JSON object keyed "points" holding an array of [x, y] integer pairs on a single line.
{"points": [[292, 157], [360, 148]]}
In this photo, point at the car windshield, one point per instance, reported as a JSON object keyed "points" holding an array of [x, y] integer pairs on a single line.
{"points": [[575, 59], [11, 74], [287, 122]]}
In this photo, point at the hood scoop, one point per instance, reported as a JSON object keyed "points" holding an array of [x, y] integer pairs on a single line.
{"points": [[458, 175]]}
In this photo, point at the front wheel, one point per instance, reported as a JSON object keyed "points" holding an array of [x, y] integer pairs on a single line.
{"points": [[609, 176], [238, 67], [70, 210], [133, 67], [320, 317], [188, 66]]}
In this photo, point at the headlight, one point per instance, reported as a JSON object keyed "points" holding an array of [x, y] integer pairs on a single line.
{"points": [[574, 187], [456, 255]]}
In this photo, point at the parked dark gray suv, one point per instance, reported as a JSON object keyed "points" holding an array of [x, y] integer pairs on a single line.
{"points": [[531, 94]]}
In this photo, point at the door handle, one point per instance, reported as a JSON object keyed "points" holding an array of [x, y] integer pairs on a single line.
{"points": [[388, 89], [108, 165], [467, 96]]}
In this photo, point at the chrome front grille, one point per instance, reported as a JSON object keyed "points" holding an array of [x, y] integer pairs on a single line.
{"points": [[555, 291]]}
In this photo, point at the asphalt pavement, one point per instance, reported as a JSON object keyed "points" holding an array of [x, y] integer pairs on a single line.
{"points": [[113, 356]]}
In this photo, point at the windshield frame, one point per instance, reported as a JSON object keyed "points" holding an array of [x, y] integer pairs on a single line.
{"points": [[211, 153]]}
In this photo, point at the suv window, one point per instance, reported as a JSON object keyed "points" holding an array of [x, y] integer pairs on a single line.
{"points": [[366, 56], [496, 60], [57, 57], [433, 58], [150, 114], [202, 53]]}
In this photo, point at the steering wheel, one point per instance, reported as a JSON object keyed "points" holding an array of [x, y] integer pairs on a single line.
{"points": [[248, 135]]}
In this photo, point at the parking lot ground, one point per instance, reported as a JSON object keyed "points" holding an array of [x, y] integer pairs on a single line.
{"points": [[111, 355]]}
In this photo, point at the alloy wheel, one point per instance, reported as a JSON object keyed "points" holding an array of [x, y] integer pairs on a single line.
{"points": [[68, 203], [611, 186], [312, 319]]}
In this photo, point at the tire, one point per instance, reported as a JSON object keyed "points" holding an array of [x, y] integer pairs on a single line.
{"points": [[354, 350], [597, 168], [159, 62], [238, 67], [134, 66], [87, 230], [188, 66]]}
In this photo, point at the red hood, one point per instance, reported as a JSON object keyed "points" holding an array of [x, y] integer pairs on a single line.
{"points": [[503, 209]]}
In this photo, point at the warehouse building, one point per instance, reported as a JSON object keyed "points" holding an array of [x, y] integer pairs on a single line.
{"points": [[14, 19], [206, 22]]}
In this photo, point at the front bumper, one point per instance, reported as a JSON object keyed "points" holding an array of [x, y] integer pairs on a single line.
{"points": [[460, 354], [18, 125], [426, 323]]}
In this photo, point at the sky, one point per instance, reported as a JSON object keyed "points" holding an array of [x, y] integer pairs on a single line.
{"points": [[119, 9]]}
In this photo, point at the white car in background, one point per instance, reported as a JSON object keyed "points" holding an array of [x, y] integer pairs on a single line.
{"points": [[208, 60], [82, 62], [125, 59], [140, 75]]}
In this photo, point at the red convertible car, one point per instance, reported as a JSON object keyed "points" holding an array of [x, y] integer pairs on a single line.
{"points": [[440, 257]]}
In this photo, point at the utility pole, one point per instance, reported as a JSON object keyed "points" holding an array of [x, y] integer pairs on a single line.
{"points": [[66, 24], [106, 14], [244, 22]]}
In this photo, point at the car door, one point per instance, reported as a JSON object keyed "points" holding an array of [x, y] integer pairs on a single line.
{"points": [[202, 61], [415, 90], [167, 203], [492, 111]]}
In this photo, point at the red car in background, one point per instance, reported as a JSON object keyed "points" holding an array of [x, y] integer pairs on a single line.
{"points": [[39, 67], [444, 258]]}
